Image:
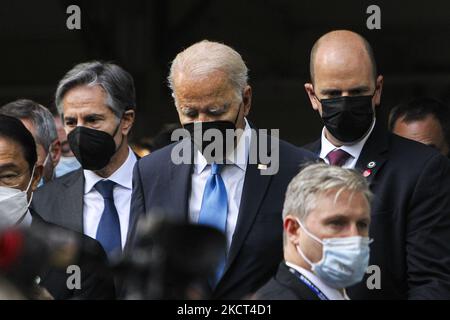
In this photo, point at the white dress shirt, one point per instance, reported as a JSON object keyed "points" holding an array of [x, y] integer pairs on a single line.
{"points": [[354, 150], [329, 292], [233, 176], [93, 203]]}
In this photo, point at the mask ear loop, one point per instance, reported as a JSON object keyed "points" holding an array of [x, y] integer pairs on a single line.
{"points": [[309, 233], [31, 198], [117, 129], [299, 250], [29, 185], [239, 112]]}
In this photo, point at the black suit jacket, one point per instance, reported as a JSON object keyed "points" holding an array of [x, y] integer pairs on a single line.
{"points": [[410, 218], [161, 187], [60, 201], [96, 277], [285, 286]]}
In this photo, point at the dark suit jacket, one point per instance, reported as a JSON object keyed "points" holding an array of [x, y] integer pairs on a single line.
{"points": [[410, 218], [161, 187], [61, 200], [285, 286], [96, 278]]}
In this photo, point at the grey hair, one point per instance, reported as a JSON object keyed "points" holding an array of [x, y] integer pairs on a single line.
{"points": [[117, 83], [41, 118], [205, 57], [315, 180]]}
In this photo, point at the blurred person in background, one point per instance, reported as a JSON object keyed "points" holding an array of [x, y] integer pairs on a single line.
{"points": [[425, 120], [39, 121], [68, 162]]}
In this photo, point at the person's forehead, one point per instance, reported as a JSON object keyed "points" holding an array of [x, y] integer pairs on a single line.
{"points": [[342, 68], [429, 127], [85, 97], [349, 203], [213, 86], [11, 152]]}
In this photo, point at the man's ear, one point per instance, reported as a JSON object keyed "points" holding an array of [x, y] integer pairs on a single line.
{"points": [[247, 99], [291, 229], [38, 171], [379, 86], [128, 121], [55, 152], [312, 97]]}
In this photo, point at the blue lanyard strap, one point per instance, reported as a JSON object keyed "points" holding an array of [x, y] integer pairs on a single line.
{"points": [[309, 284]]}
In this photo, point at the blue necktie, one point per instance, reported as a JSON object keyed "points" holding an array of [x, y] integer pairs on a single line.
{"points": [[214, 210], [108, 232]]}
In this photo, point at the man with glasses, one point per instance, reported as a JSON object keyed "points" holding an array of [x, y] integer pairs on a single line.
{"points": [[20, 173]]}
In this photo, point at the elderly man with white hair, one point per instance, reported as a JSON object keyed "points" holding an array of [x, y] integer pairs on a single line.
{"points": [[326, 218], [230, 191]]}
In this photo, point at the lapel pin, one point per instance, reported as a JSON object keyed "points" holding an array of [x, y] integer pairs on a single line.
{"points": [[371, 164], [367, 173], [262, 166]]}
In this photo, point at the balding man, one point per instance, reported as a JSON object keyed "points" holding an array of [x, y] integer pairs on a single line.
{"points": [[411, 183], [209, 84]]}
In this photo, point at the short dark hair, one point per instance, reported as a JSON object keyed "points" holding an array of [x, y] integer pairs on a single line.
{"points": [[38, 115], [418, 109], [117, 83], [13, 129]]}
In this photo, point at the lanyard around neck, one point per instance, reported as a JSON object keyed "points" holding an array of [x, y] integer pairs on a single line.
{"points": [[309, 284]]}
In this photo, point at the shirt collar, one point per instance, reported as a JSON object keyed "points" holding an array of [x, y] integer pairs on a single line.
{"points": [[329, 292], [121, 176], [239, 156], [354, 150]]}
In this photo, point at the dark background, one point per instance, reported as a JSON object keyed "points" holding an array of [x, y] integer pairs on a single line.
{"points": [[274, 37]]}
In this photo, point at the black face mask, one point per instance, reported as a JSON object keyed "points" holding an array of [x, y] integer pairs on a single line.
{"points": [[197, 132], [348, 118], [92, 148]]}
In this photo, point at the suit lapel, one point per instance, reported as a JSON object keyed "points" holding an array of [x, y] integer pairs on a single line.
{"points": [[314, 147], [373, 155], [180, 176], [72, 205], [286, 278], [253, 193]]}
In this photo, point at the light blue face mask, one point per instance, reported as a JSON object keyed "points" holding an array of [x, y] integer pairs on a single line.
{"points": [[66, 165], [344, 260]]}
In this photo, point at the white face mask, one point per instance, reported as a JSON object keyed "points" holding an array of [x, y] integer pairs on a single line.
{"points": [[14, 204], [344, 260]]}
